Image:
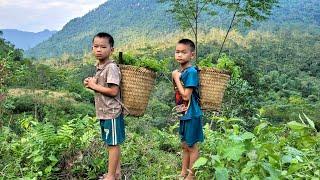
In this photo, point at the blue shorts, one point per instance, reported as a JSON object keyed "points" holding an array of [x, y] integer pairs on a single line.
{"points": [[191, 131], [112, 130]]}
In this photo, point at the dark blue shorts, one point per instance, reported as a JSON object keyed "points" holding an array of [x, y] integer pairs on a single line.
{"points": [[113, 130], [191, 131]]}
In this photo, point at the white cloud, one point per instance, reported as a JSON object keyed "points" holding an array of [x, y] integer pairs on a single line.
{"points": [[36, 15]]}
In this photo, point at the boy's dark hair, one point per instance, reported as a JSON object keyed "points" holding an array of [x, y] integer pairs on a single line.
{"points": [[104, 35], [189, 43]]}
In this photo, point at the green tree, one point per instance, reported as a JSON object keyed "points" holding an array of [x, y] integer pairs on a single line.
{"points": [[246, 12], [187, 13], [8, 48]]}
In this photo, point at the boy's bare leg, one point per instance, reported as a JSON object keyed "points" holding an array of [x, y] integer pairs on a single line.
{"points": [[114, 158], [185, 159], [118, 171], [194, 155]]}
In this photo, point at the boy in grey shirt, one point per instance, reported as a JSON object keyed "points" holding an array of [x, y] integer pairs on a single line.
{"points": [[106, 85]]}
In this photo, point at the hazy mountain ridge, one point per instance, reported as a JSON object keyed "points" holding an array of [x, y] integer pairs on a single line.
{"points": [[26, 40]]}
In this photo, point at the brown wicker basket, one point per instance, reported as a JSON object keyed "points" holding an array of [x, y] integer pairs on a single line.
{"points": [[136, 86], [213, 83]]}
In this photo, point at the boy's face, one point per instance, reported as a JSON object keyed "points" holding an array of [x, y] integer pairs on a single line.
{"points": [[183, 53], [101, 48]]}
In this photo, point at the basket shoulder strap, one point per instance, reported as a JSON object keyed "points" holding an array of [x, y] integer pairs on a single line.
{"points": [[119, 101], [102, 69], [197, 90]]}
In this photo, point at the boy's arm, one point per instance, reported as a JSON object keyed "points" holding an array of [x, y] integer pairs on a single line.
{"points": [[185, 92], [111, 91]]}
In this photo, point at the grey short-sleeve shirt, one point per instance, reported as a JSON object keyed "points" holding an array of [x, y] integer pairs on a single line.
{"points": [[107, 107]]}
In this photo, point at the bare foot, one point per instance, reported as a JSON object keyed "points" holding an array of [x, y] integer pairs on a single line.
{"points": [[118, 176], [109, 177], [185, 174], [182, 176], [190, 177]]}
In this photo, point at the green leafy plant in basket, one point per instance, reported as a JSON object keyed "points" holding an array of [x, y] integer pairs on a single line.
{"points": [[143, 61], [137, 82], [149, 63], [205, 62], [224, 63]]}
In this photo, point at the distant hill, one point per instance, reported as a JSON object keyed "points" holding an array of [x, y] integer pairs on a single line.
{"points": [[296, 13], [127, 20], [26, 40], [124, 19]]}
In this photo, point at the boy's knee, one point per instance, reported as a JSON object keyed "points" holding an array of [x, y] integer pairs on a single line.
{"points": [[193, 148], [184, 146], [112, 147]]}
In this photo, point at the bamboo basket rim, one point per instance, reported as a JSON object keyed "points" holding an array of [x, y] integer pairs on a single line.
{"points": [[216, 70], [137, 69]]}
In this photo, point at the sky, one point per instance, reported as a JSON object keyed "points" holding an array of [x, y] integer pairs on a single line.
{"points": [[37, 15]]}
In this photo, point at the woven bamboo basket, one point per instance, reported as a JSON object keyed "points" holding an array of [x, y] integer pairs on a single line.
{"points": [[136, 86], [213, 83]]}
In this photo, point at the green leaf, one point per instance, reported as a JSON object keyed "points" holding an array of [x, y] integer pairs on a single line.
{"points": [[299, 158], [200, 162], [247, 135], [215, 159], [252, 155], [274, 174], [48, 169], [234, 152], [260, 127], [53, 158], [301, 119], [311, 123], [286, 159], [294, 168], [284, 173], [236, 138], [295, 125], [248, 167], [38, 159], [221, 173], [293, 151]]}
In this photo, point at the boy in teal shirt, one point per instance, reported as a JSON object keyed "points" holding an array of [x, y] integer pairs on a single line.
{"points": [[186, 81]]}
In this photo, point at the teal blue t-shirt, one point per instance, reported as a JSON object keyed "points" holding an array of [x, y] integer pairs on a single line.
{"points": [[190, 79]]}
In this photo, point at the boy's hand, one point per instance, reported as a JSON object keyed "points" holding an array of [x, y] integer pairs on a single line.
{"points": [[85, 82], [92, 82], [176, 75]]}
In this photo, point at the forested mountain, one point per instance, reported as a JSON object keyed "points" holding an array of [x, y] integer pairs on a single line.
{"points": [[123, 19], [303, 14], [26, 40], [133, 19]]}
